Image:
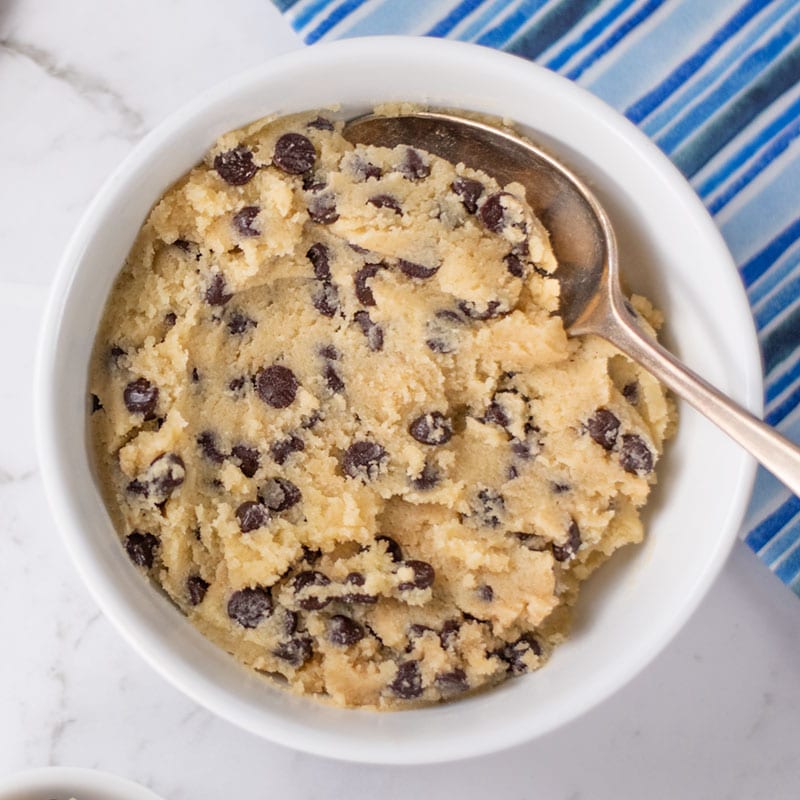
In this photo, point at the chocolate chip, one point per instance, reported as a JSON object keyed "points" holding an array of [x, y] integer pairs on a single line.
{"points": [[138, 487], [363, 460], [251, 516], [514, 653], [386, 201], [433, 428], [250, 606], [141, 548], [416, 631], [313, 183], [236, 384], [603, 428], [276, 386], [236, 166], [426, 479], [489, 507], [344, 631], [413, 166], [357, 579], [424, 575], [279, 494], [370, 329], [469, 191], [634, 455], [325, 298], [307, 579], [485, 593], [165, 474], [332, 379], [449, 632], [533, 541], [495, 414], [311, 421], [492, 310], [407, 683], [281, 450], [217, 292], [290, 620], [195, 375], [296, 651], [141, 397], [453, 682], [247, 458], [567, 551], [96, 404], [521, 449], [243, 221], [182, 244], [322, 208], [393, 549], [515, 265], [208, 444], [321, 124], [363, 291], [294, 154], [560, 488], [442, 337], [319, 255], [492, 212], [196, 588], [170, 318], [363, 169], [115, 354], [239, 323], [311, 556], [413, 270], [330, 352], [631, 392]]}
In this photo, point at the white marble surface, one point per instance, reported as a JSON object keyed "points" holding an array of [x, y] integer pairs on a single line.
{"points": [[717, 714]]}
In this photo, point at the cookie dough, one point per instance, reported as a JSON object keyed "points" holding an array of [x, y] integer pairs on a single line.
{"points": [[336, 417]]}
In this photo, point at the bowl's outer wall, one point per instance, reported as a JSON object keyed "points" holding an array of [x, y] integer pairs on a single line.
{"points": [[670, 249], [62, 783]]}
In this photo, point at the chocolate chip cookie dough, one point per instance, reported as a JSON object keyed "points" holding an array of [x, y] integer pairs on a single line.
{"points": [[337, 418]]}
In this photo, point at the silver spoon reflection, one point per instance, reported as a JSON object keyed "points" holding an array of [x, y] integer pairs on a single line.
{"points": [[585, 247]]}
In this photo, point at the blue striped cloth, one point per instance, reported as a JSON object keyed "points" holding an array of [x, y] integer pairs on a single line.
{"points": [[716, 84]]}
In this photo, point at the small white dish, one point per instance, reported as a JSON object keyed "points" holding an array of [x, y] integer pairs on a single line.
{"points": [[670, 251], [65, 783]]}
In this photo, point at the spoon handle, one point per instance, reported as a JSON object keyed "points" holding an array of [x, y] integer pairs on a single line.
{"points": [[780, 456]]}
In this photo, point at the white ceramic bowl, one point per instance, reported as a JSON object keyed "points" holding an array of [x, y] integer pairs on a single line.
{"points": [[63, 783], [670, 250]]}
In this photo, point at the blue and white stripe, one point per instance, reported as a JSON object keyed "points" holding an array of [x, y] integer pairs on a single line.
{"points": [[716, 84]]}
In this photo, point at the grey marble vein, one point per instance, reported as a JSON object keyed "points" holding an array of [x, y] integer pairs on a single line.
{"points": [[87, 626], [90, 87], [7, 477], [61, 722]]}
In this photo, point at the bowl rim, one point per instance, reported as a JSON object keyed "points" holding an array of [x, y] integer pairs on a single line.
{"points": [[68, 518], [75, 781]]}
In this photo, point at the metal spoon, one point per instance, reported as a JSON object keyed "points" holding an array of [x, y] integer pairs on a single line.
{"points": [[586, 249]]}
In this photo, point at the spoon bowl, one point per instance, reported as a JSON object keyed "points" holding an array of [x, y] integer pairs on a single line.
{"points": [[585, 247], [580, 232]]}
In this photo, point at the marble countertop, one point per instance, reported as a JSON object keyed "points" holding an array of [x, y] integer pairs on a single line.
{"points": [[715, 716]]}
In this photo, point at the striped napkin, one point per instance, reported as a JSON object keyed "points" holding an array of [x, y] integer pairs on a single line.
{"points": [[716, 84]]}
